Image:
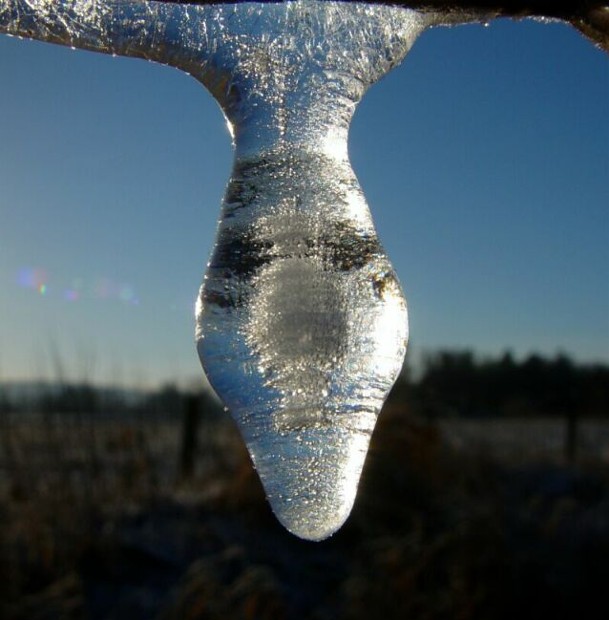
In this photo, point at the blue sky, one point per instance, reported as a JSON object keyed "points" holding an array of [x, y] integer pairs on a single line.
{"points": [[484, 157]]}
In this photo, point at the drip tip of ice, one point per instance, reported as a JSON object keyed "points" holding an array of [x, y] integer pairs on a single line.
{"points": [[311, 477]]}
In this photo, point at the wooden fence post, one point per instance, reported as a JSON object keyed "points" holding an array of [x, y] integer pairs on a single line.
{"points": [[190, 428]]}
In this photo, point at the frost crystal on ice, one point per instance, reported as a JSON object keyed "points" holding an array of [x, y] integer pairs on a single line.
{"points": [[301, 322]]}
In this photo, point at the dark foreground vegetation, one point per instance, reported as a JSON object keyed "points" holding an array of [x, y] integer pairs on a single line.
{"points": [[149, 509]]}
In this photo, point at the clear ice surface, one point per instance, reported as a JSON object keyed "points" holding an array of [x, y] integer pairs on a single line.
{"points": [[301, 322]]}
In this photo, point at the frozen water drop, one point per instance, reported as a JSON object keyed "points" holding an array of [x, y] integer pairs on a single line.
{"points": [[306, 341]]}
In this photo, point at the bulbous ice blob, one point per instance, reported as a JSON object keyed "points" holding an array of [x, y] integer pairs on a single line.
{"points": [[302, 330]]}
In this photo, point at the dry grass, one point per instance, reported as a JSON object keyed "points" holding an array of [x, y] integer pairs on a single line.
{"points": [[96, 523]]}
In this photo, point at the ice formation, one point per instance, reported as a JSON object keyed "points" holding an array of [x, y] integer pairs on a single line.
{"points": [[301, 321]]}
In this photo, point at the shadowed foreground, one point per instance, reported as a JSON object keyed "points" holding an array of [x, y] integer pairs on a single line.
{"points": [[96, 523]]}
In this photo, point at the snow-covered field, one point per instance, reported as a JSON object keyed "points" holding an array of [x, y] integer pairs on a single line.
{"points": [[536, 439], [48, 444]]}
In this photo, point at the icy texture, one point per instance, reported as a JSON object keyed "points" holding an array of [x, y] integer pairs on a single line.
{"points": [[301, 323]]}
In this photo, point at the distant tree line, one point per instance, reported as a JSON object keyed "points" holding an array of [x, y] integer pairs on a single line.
{"points": [[86, 398], [451, 383], [458, 383]]}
